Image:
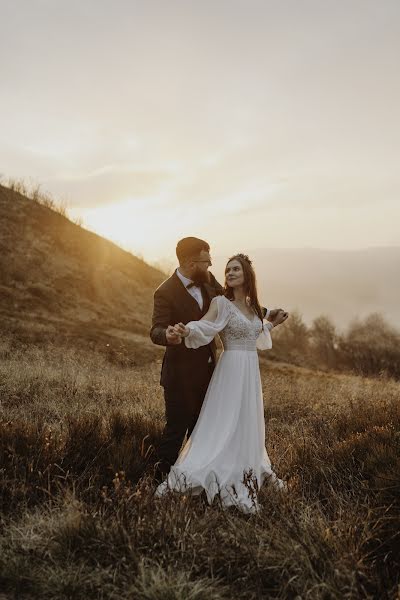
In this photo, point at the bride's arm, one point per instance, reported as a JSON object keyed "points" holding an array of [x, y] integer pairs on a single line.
{"points": [[212, 313], [202, 332], [264, 341]]}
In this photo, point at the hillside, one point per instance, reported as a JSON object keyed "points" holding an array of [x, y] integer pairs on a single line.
{"points": [[64, 284]]}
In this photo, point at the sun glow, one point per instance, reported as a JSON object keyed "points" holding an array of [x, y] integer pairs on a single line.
{"points": [[132, 224], [145, 227]]}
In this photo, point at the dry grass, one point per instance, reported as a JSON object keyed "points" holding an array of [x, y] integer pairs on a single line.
{"points": [[79, 519], [34, 192]]}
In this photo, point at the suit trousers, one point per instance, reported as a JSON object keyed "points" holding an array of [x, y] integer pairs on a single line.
{"points": [[183, 402]]}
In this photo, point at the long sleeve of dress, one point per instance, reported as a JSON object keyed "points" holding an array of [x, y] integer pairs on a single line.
{"points": [[264, 341], [204, 331]]}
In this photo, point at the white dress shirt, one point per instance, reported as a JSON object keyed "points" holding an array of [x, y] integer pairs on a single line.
{"points": [[194, 291]]}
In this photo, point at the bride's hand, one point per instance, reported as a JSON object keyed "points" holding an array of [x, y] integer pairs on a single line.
{"points": [[172, 337], [181, 329]]}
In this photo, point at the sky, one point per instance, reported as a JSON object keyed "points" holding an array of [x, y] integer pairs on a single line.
{"points": [[250, 123]]}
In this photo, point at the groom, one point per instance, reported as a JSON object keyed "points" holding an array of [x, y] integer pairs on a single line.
{"points": [[185, 372]]}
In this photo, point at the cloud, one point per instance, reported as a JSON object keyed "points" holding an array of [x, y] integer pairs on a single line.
{"points": [[209, 111], [109, 184]]}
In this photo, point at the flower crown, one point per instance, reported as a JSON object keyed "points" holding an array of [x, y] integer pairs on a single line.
{"points": [[242, 256]]}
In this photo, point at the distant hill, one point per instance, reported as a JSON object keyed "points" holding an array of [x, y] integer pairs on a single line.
{"points": [[342, 284], [63, 284]]}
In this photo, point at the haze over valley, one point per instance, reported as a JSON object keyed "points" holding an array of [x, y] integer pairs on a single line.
{"points": [[342, 284]]}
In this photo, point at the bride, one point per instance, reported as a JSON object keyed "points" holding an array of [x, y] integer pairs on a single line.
{"points": [[226, 452]]}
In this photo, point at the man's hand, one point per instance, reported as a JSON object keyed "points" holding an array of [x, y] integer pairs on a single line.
{"points": [[172, 336], [274, 313], [278, 316], [181, 330]]}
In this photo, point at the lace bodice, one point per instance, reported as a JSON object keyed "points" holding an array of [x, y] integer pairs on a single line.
{"points": [[236, 331], [240, 333]]}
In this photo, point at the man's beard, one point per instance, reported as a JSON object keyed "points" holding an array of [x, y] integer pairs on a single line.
{"points": [[200, 277]]}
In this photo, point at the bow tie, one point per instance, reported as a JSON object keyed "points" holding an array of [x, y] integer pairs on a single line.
{"points": [[192, 284]]}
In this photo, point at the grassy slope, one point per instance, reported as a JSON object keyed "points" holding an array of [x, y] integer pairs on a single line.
{"points": [[79, 519], [62, 284]]}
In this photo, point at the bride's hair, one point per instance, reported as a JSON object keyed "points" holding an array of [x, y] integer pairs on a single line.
{"points": [[250, 283]]}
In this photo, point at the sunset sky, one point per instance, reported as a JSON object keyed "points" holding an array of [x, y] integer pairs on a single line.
{"points": [[251, 123]]}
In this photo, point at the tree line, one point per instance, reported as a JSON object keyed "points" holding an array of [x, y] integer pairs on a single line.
{"points": [[369, 346]]}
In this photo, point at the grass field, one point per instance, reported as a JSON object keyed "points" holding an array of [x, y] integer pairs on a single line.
{"points": [[78, 517]]}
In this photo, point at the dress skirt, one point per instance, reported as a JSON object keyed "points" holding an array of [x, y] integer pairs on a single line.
{"points": [[226, 452]]}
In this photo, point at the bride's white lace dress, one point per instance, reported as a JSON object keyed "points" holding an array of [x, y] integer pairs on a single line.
{"points": [[226, 452]]}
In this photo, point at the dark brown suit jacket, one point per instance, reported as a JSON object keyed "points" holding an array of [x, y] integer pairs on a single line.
{"points": [[173, 304]]}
